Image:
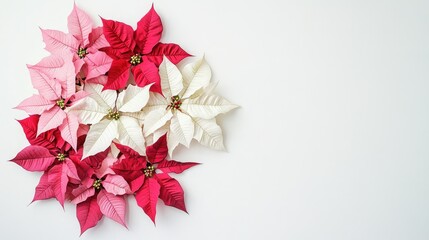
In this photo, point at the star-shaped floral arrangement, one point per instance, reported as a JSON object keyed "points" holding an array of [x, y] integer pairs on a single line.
{"points": [[112, 105]]}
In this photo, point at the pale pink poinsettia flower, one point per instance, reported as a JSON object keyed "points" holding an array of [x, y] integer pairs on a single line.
{"points": [[53, 77], [100, 193], [83, 41]]}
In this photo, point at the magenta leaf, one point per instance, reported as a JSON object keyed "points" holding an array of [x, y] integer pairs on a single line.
{"points": [[172, 166], [149, 31], [172, 51], [147, 197], [171, 193], [43, 189], [157, 151], [120, 36], [146, 73], [34, 158], [29, 125], [118, 75], [88, 213], [112, 206], [58, 179]]}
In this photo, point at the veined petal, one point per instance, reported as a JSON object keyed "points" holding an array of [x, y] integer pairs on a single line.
{"points": [[104, 98], [133, 99], [207, 106], [131, 134], [100, 137], [50, 120], [155, 120], [182, 128], [196, 75], [171, 79]]}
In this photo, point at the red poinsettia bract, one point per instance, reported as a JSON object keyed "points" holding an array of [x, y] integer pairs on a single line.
{"points": [[149, 176], [139, 50]]}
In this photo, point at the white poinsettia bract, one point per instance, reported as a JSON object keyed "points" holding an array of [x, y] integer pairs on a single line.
{"points": [[113, 116], [188, 109]]}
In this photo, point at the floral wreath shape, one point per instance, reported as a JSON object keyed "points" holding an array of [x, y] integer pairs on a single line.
{"points": [[111, 106]]}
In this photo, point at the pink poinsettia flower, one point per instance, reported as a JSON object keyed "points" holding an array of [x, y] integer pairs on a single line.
{"points": [[50, 154], [139, 50], [101, 192], [83, 41], [53, 77], [149, 176]]}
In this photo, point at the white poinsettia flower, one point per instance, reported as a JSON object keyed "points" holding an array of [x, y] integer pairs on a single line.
{"points": [[113, 116], [187, 110]]}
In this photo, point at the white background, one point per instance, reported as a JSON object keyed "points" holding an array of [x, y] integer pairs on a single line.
{"points": [[330, 142]]}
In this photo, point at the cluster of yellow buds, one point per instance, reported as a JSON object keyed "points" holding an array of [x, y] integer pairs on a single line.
{"points": [[97, 184], [148, 172], [61, 157], [61, 103], [113, 115], [136, 59], [81, 53]]}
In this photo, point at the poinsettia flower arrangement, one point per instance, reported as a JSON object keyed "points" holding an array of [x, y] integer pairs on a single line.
{"points": [[112, 105]]}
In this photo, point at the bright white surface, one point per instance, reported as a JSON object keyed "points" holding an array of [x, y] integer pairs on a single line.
{"points": [[331, 141]]}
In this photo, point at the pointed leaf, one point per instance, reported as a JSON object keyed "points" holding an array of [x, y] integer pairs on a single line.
{"points": [[29, 125], [131, 134], [147, 197], [171, 192], [69, 130], [58, 179], [112, 206], [116, 184], [132, 99], [171, 79], [47, 87], [100, 137], [149, 31], [156, 102], [118, 75], [197, 75], [97, 40], [172, 51], [128, 152], [172, 166], [105, 99], [158, 151], [88, 213], [35, 104], [70, 169], [51, 119], [82, 193], [80, 25], [120, 36], [98, 64], [34, 158], [58, 42], [155, 120], [147, 73], [89, 111], [208, 133], [207, 106], [183, 128], [43, 189]]}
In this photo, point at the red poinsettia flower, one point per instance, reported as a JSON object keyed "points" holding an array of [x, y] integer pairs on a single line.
{"points": [[149, 176], [49, 153], [101, 191], [139, 50]]}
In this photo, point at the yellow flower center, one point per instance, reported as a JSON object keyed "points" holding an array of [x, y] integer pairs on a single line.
{"points": [[175, 103], [61, 103], [61, 157], [81, 52], [149, 170], [136, 59], [97, 184], [113, 115]]}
